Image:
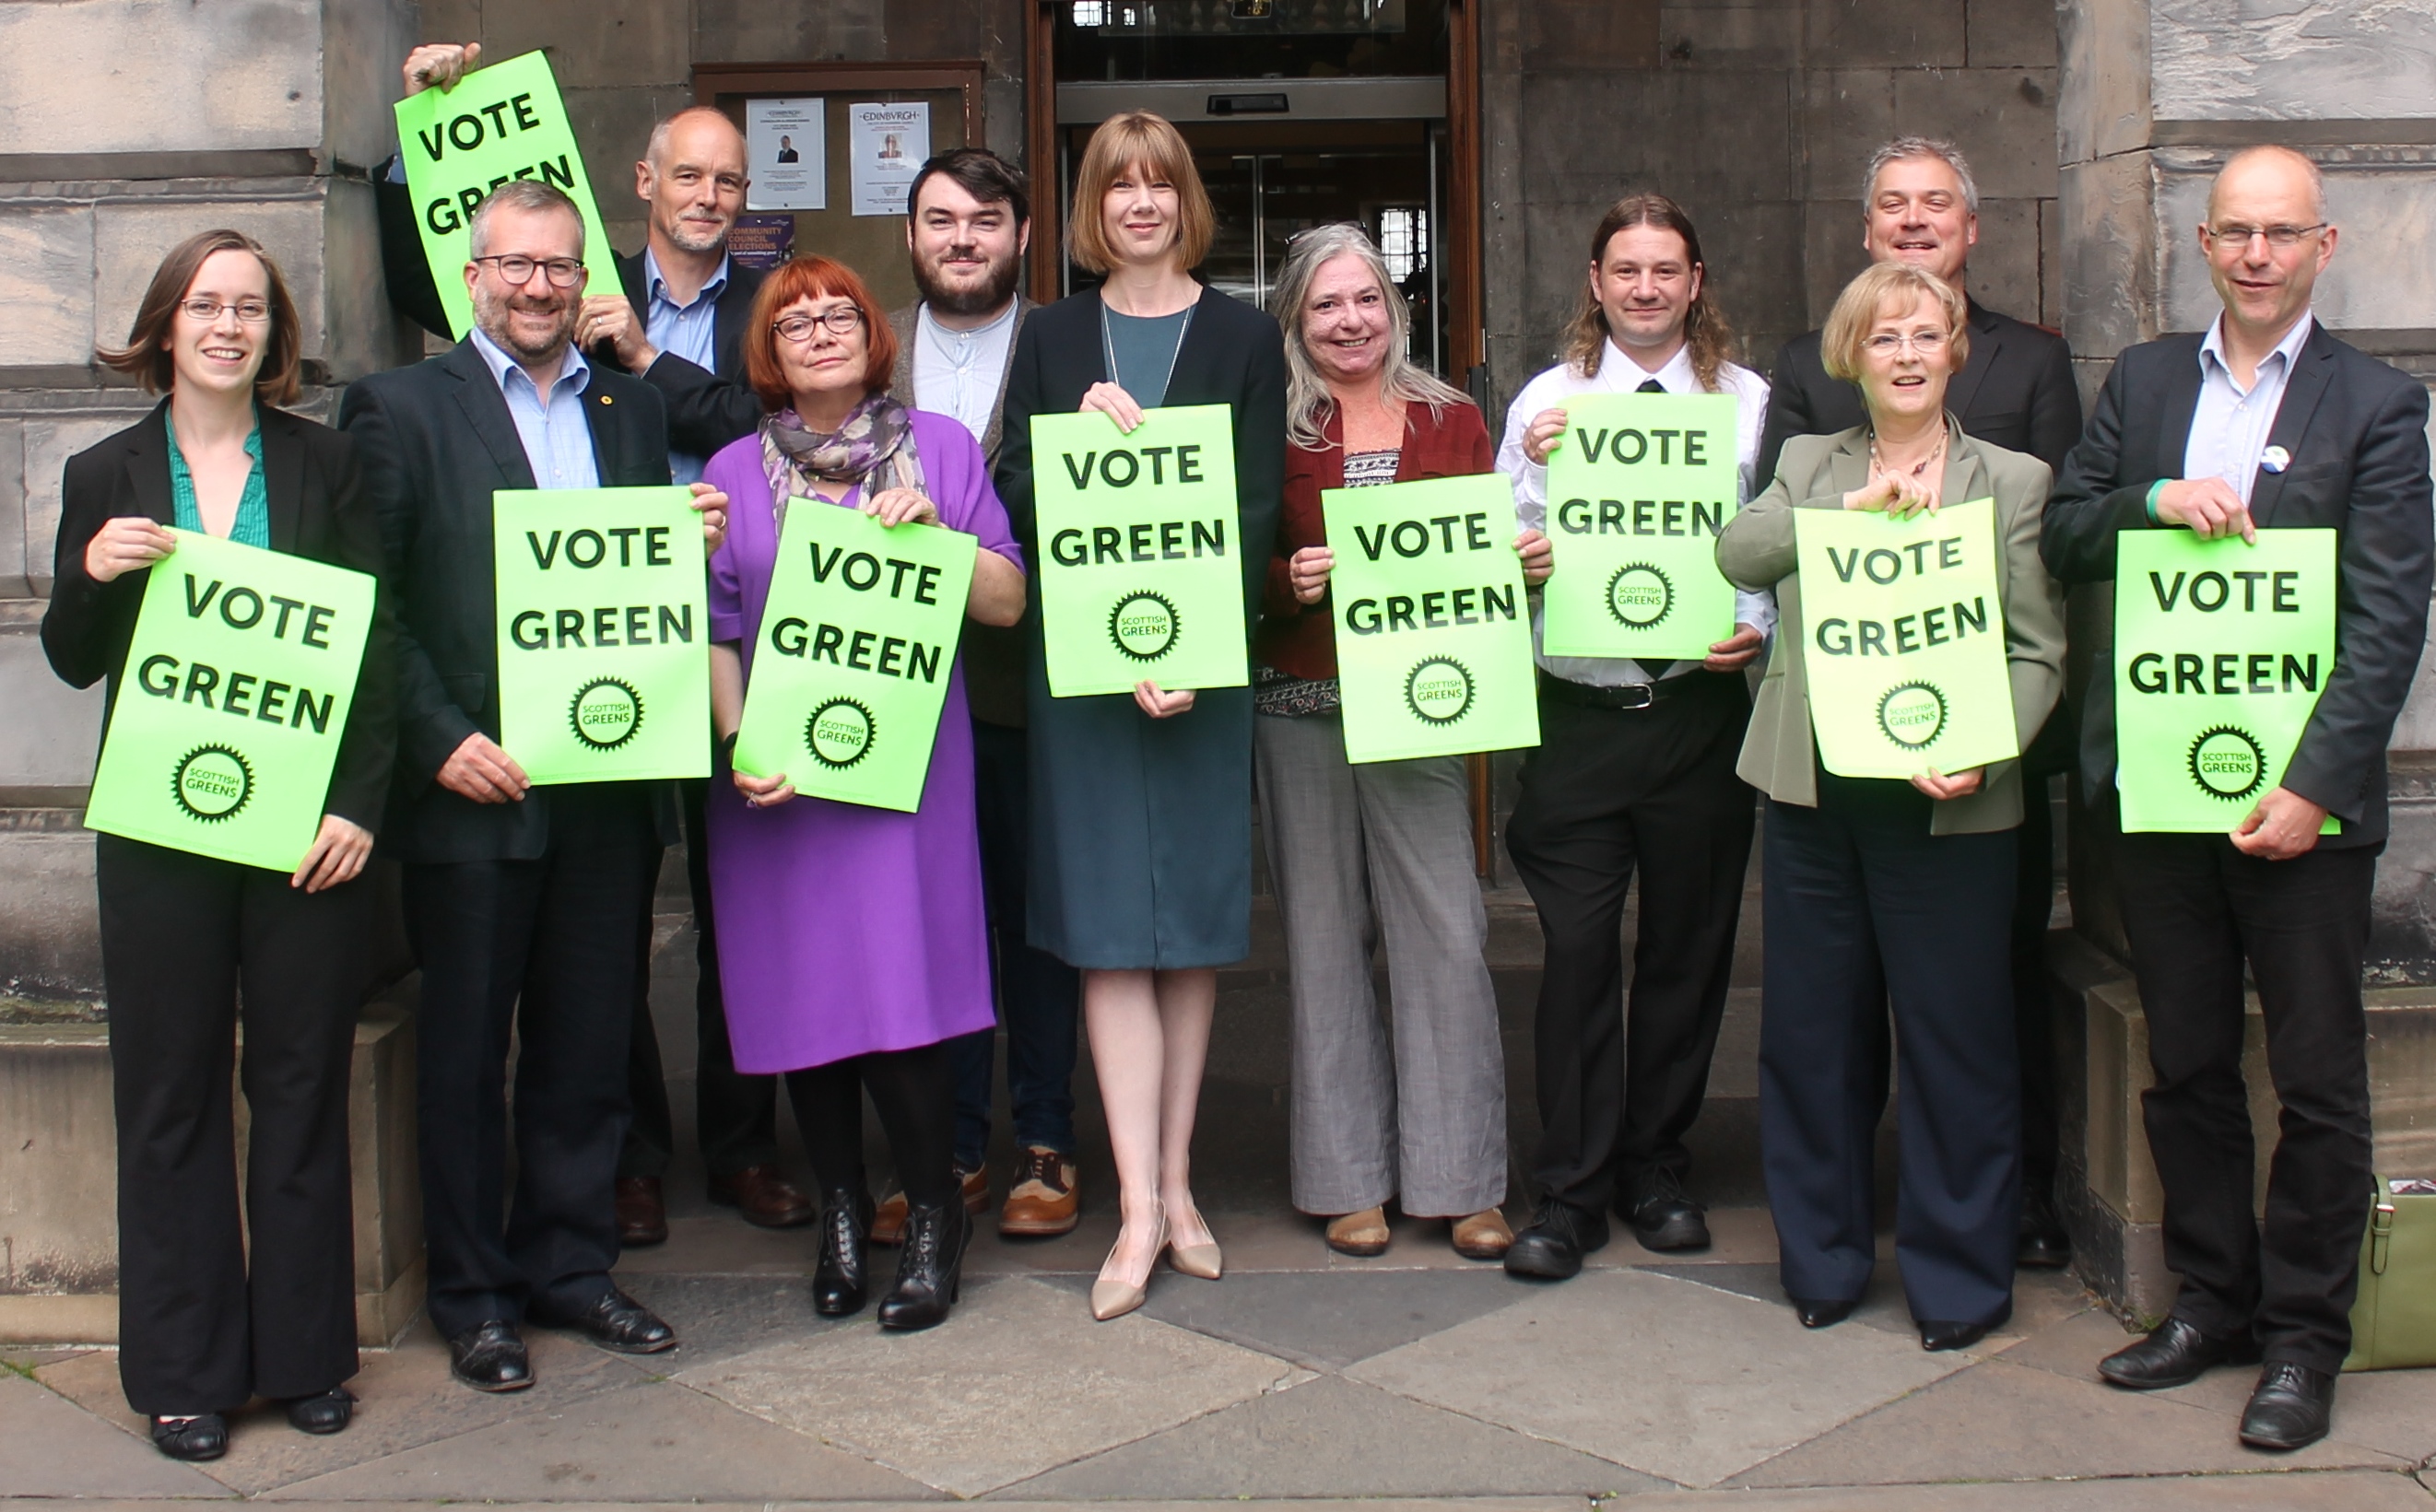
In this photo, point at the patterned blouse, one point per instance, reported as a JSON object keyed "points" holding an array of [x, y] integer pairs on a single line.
{"points": [[1280, 693]]}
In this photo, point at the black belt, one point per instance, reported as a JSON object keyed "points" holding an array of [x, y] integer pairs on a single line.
{"points": [[1629, 696]]}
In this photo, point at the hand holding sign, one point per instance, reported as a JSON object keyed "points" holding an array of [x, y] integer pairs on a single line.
{"points": [[1897, 495], [2209, 506], [439, 64], [128, 543]]}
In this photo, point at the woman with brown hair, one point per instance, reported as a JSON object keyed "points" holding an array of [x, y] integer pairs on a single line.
{"points": [[851, 938], [202, 1331], [1142, 827]]}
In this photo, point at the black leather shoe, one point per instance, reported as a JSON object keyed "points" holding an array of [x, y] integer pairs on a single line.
{"points": [[1936, 1335], [2289, 1409], [1821, 1313], [329, 1411], [842, 1274], [615, 1321], [200, 1438], [929, 1267], [2041, 1244], [489, 1356], [1664, 1220], [1552, 1244], [2173, 1354]]}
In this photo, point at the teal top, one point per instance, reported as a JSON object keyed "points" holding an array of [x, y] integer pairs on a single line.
{"points": [[253, 524], [1142, 352]]}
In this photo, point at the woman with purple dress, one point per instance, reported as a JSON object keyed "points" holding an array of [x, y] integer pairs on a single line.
{"points": [[851, 938]]}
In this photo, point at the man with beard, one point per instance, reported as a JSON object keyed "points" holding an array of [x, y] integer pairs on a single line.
{"points": [[521, 903], [967, 227], [679, 326]]}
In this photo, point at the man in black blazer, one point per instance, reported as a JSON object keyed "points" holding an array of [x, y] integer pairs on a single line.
{"points": [[523, 905], [2265, 422], [1921, 206]]}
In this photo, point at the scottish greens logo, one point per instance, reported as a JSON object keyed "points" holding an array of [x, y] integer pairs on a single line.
{"points": [[1438, 690], [1912, 715], [212, 783], [606, 713], [1144, 625], [2228, 763], [1638, 595], [840, 733]]}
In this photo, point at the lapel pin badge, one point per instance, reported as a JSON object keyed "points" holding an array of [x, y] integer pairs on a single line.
{"points": [[605, 399], [2275, 459]]}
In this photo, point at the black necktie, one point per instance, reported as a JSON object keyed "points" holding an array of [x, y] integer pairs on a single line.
{"points": [[1650, 386], [1661, 668]]}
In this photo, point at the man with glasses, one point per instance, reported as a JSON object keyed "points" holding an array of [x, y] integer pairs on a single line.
{"points": [[522, 904], [2265, 422], [2016, 390]]}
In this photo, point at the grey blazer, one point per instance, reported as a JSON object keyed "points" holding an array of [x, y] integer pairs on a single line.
{"points": [[900, 381], [1756, 551]]}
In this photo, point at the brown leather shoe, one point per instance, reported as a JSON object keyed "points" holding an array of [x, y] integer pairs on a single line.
{"points": [[1362, 1235], [1047, 1197], [642, 1216], [1484, 1236], [764, 1197], [888, 1223]]}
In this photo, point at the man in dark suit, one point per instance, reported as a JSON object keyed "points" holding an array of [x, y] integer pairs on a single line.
{"points": [[521, 904], [2016, 390], [2265, 422], [679, 326]]}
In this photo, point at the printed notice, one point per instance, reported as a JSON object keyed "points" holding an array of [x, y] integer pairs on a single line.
{"points": [[786, 153], [888, 145]]}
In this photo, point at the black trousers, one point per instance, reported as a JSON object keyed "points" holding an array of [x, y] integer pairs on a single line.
{"points": [[1608, 791], [191, 946], [2194, 909], [1866, 908], [735, 1116], [545, 949]]}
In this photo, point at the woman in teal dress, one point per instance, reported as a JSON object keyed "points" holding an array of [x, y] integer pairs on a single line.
{"points": [[1142, 831]]}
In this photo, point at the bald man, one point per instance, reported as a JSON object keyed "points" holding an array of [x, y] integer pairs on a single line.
{"points": [[2264, 422]]}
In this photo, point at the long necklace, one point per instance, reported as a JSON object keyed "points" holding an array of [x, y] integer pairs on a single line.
{"points": [[1109, 344]]}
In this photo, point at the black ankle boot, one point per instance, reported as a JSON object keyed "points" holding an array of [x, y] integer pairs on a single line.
{"points": [[842, 1279], [929, 1267]]}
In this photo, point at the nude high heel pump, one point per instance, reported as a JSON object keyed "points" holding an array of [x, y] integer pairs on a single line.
{"points": [[1113, 1298], [1201, 1261]]}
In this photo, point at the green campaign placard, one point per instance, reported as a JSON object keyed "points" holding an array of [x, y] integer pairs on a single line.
{"points": [[1636, 497], [238, 680], [499, 123], [1432, 635], [1142, 571], [604, 634], [2221, 651], [856, 644], [1905, 640]]}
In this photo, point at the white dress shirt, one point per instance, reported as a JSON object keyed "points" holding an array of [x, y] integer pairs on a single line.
{"points": [[2229, 427], [1619, 374], [958, 372]]}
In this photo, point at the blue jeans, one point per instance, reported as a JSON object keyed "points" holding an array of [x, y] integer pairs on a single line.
{"points": [[1039, 996]]}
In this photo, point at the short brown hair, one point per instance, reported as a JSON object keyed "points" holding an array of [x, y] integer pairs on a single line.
{"points": [[1705, 329], [146, 357], [814, 278], [1122, 141], [1869, 295]]}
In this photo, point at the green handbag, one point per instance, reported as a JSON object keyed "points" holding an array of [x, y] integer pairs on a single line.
{"points": [[2393, 1323]]}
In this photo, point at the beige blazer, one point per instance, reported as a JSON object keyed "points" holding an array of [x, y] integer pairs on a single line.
{"points": [[1756, 551]]}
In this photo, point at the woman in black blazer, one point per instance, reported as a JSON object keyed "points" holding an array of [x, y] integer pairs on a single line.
{"points": [[198, 1333], [1142, 827]]}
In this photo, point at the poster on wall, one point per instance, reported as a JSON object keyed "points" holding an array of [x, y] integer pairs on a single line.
{"points": [[888, 145], [785, 152]]}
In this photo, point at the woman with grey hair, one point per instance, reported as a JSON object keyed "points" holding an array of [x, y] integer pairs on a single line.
{"points": [[1386, 840]]}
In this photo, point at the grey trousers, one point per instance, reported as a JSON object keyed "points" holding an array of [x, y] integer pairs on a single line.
{"points": [[1392, 837]]}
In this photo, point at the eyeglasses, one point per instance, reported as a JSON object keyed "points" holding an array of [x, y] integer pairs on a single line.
{"points": [[565, 273], [1885, 343], [2280, 237], [248, 311], [842, 319]]}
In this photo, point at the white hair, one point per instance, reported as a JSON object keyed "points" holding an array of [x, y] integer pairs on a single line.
{"points": [[1401, 378]]}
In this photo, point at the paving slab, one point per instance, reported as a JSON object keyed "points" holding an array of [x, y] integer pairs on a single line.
{"points": [[1325, 1319], [1330, 1437], [2041, 1299], [1679, 1380], [51, 1446], [653, 1441], [1018, 1382], [718, 1317], [2003, 1422], [2296, 1492], [406, 1397]]}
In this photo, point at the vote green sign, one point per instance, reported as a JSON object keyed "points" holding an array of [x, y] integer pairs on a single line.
{"points": [[238, 680], [498, 123], [852, 667], [1905, 640], [2220, 649], [1636, 497], [1141, 573], [1433, 637], [604, 634]]}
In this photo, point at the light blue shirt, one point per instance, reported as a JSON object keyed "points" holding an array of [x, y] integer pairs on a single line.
{"points": [[2229, 427], [557, 438], [689, 331]]}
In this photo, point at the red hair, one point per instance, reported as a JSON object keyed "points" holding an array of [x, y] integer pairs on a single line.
{"points": [[814, 278]]}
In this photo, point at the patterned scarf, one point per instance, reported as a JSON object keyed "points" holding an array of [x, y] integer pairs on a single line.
{"points": [[873, 448]]}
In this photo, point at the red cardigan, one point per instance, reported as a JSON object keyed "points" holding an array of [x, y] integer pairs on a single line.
{"points": [[1299, 638]]}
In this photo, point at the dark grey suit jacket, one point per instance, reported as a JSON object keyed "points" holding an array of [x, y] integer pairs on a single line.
{"points": [[706, 408], [435, 441], [2356, 432]]}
